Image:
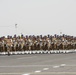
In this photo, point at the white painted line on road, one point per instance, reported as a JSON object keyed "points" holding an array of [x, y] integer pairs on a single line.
{"points": [[37, 71], [62, 64], [45, 68], [56, 66], [26, 74]]}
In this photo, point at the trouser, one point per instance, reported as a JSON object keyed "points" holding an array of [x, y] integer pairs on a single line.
{"points": [[8, 53]]}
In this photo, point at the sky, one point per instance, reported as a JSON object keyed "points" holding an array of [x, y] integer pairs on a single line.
{"points": [[37, 17]]}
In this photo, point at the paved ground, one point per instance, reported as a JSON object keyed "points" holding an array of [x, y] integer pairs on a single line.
{"points": [[38, 64]]}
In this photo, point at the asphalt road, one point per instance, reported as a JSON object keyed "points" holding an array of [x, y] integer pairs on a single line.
{"points": [[38, 64]]}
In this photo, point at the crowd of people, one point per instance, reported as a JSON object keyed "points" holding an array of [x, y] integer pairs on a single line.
{"points": [[39, 42]]}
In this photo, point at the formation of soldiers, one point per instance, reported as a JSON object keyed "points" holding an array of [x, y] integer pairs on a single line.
{"points": [[32, 42]]}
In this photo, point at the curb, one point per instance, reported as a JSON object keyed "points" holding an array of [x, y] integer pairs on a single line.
{"points": [[39, 52]]}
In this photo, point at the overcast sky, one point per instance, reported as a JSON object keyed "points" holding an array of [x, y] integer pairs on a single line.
{"points": [[36, 17]]}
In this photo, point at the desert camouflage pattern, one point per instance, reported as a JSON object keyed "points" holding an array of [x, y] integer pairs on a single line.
{"points": [[37, 43]]}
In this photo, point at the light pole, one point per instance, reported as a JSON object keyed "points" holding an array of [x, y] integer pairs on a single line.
{"points": [[60, 33], [16, 28]]}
